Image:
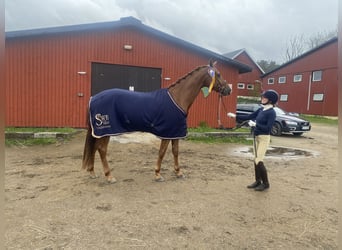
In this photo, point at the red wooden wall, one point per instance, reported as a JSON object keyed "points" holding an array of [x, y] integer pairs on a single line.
{"points": [[249, 77], [300, 94], [43, 87]]}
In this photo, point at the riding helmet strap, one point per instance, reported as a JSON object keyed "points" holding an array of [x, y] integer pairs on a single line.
{"points": [[211, 72]]}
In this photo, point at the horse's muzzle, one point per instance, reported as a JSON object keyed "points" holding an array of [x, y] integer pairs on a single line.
{"points": [[226, 90]]}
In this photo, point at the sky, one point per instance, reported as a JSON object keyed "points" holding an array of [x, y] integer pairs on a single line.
{"points": [[262, 27]]}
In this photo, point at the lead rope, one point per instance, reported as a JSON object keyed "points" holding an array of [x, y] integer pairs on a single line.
{"points": [[225, 109], [219, 112]]}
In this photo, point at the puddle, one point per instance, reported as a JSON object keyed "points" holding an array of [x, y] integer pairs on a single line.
{"points": [[281, 152]]}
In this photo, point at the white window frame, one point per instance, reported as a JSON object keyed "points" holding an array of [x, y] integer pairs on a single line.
{"points": [[241, 85], [283, 97], [319, 97], [296, 76], [250, 86], [317, 75], [282, 79], [270, 80]]}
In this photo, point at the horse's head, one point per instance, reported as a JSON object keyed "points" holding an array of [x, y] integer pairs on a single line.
{"points": [[217, 83]]}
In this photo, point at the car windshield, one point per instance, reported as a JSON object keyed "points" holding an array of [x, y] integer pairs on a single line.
{"points": [[279, 111]]}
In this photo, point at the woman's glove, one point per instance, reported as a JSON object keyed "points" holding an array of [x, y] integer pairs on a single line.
{"points": [[251, 123], [232, 115]]}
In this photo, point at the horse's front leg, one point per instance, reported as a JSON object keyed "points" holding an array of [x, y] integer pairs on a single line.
{"points": [[162, 150], [102, 148], [175, 150]]}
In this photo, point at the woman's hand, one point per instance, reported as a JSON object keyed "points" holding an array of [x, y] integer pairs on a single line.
{"points": [[251, 123]]}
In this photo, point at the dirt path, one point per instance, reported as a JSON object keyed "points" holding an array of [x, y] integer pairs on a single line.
{"points": [[52, 204]]}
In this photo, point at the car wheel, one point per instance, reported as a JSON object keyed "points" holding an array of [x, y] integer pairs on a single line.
{"points": [[276, 129], [298, 134]]}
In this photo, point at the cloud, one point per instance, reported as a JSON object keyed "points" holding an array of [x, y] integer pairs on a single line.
{"points": [[262, 27]]}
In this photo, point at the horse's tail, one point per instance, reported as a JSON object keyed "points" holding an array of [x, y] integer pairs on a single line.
{"points": [[89, 150]]}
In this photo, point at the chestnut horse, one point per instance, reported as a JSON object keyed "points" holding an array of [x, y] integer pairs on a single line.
{"points": [[182, 93]]}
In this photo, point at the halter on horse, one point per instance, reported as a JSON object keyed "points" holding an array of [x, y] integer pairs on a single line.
{"points": [[121, 117]]}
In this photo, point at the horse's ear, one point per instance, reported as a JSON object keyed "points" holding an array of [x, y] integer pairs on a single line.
{"points": [[212, 63]]}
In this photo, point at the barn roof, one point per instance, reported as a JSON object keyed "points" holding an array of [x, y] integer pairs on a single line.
{"points": [[234, 54], [330, 41], [122, 23]]}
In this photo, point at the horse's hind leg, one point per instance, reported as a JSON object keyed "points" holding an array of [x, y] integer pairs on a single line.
{"points": [[89, 154], [162, 150], [175, 150], [102, 146]]}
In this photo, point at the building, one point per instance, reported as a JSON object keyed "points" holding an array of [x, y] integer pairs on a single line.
{"points": [[249, 83], [308, 84], [52, 72]]}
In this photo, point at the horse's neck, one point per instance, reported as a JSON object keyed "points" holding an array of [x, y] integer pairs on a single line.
{"points": [[186, 90]]}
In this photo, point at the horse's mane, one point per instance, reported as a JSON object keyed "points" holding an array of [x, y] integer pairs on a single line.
{"points": [[186, 75]]}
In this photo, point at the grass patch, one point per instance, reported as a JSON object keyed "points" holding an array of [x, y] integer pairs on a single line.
{"points": [[320, 119], [203, 128], [35, 141], [200, 134], [223, 139], [37, 130]]}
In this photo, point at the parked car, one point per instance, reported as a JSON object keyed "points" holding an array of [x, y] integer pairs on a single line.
{"points": [[285, 122]]}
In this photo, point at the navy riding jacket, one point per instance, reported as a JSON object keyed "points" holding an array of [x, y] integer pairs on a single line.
{"points": [[264, 120]]}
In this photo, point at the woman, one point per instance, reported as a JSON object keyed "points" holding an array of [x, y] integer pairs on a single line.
{"points": [[261, 122]]}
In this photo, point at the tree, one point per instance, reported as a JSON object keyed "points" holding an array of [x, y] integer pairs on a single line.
{"points": [[267, 66], [299, 44], [319, 38], [295, 47]]}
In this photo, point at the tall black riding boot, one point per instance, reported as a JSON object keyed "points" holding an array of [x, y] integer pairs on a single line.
{"points": [[263, 172], [257, 177]]}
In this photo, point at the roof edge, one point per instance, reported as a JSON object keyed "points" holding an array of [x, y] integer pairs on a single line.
{"points": [[125, 22], [234, 54], [328, 42]]}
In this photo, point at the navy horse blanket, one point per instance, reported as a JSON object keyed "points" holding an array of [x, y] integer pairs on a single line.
{"points": [[118, 111]]}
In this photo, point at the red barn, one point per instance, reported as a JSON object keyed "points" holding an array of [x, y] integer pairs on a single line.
{"points": [[249, 83], [308, 84], [52, 72]]}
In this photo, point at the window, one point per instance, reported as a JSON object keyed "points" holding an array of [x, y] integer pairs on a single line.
{"points": [[270, 80], [241, 86], [282, 79], [283, 98], [317, 76], [297, 78], [250, 86], [318, 97]]}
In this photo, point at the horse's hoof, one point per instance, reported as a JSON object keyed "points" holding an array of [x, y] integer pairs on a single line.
{"points": [[159, 179], [180, 176], [93, 177], [111, 180]]}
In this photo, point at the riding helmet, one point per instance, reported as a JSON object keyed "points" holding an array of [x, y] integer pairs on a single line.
{"points": [[271, 95]]}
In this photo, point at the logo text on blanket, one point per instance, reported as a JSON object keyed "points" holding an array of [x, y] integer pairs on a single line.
{"points": [[101, 120]]}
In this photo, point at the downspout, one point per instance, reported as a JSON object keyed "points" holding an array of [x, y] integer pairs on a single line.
{"points": [[309, 93]]}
